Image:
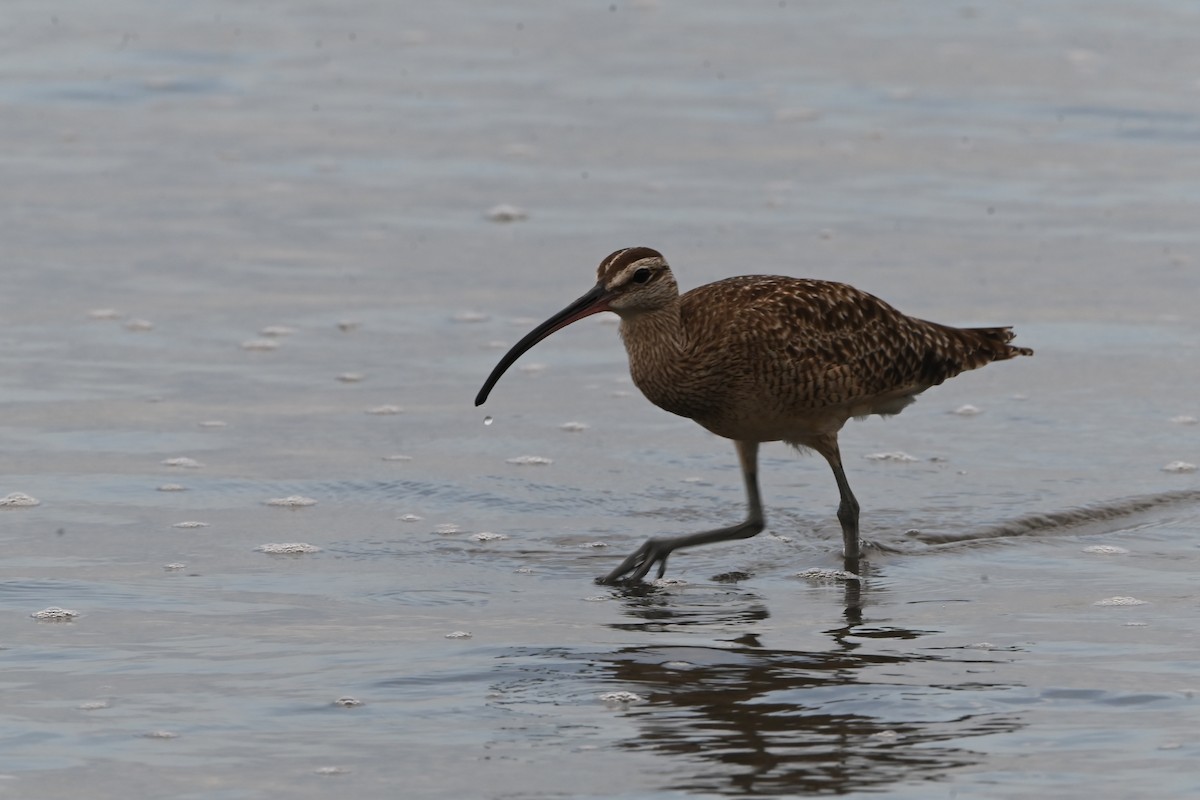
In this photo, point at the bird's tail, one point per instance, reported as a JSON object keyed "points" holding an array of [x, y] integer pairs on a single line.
{"points": [[995, 342]]}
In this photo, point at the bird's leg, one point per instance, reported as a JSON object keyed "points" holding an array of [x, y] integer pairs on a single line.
{"points": [[847, 512], [655, 551]]}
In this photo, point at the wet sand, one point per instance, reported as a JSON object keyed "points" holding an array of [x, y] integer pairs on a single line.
{"points": [[257, 237]]}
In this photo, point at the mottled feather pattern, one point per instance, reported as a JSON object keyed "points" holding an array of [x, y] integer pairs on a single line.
{"points": [[756, 350]]}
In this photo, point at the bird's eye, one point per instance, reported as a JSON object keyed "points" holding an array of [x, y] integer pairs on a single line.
{"points": [[641, 276]]}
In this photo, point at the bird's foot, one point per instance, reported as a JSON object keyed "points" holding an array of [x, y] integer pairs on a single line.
{"points": [[640, 562]]}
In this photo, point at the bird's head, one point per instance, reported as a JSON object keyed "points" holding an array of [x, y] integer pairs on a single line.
{"points": [[631, 281]]}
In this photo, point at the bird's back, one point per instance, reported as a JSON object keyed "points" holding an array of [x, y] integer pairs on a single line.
{"points": [[772, 348]]}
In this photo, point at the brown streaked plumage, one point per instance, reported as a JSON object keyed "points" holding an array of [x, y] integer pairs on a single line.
{"points": [[764, 358]]}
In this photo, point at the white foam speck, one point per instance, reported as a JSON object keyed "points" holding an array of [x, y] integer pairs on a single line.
{"points": [[55, 614], [488, 420], [351, 377], [397, 458], [530, 461], [574, 427], [594, 544], [346, 701], [174, 566], [104, 313], [331, 771], [139, 325], [506, 212], [277, 330], [1106, 550], [287, 548], [19, 500], [260, 345], [533, 368], [212, 423], [409, 518], [888, 735], [666, 582], [385, 410], [823, 575], [172, 487], [93, 705], [620, 393], [471, 316], [523, 570], [160, 735], [1179, 467], [488, 536], [968, 410], [621, 698], [896, 456], [447, 528], [190, 524], [458, 635], [182, 462], [1184, 419], [292, 501], [1120, 601]]}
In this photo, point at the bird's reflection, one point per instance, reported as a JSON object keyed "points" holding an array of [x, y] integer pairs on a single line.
{"points": [[743, 719]]}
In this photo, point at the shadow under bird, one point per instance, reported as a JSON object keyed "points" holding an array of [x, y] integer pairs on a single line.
{"points": [[765, 358]]}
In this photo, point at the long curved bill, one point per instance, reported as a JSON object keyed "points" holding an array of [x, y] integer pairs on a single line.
{"points": [[593, 302]]}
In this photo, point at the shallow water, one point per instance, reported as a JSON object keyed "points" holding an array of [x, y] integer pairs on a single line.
{"points": [[1025, 623]]}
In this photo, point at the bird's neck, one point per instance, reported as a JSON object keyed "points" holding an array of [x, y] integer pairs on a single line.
{"points": [[657, 345]]}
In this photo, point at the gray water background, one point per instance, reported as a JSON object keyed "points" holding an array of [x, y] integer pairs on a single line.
{"points": [[208, 170]]}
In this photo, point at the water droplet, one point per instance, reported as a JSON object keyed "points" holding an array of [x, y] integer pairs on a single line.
{"points": [[487, 420]]}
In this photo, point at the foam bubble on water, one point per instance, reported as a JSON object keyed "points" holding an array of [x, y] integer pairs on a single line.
{"points": [[260, 345], [287, 548], [351, 377], [172, 487], [385, 410], [190, 524], [488, 420], [574, 427], [277, 330], [1179, 467], [826, 575], [212, 423], [594, 544], [1106, 550], [523, 570], [447, 528], [488, 536], [182, 462], [665, 583], [331, 771], [19, 500], [409, 518], [620, 393], [93, 705], [104, 313], [471, 316], [292, 501], [160, 735], [1184, 419], [139, 325], [496, 344], [506, 212], [346, 701], [55, 614], [533, 368], [887, 735], [967, 410], [620, 698], [896, 456], [1119, 601], [696, 479], [174, 566], [458, 635], [530, 461], [396, 457], [597, 598]]}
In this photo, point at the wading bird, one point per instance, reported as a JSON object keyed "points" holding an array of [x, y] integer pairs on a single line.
{"points": [[764, 358]]}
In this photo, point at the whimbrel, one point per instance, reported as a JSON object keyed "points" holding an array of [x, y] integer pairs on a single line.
{"points": [[764, 358]]}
